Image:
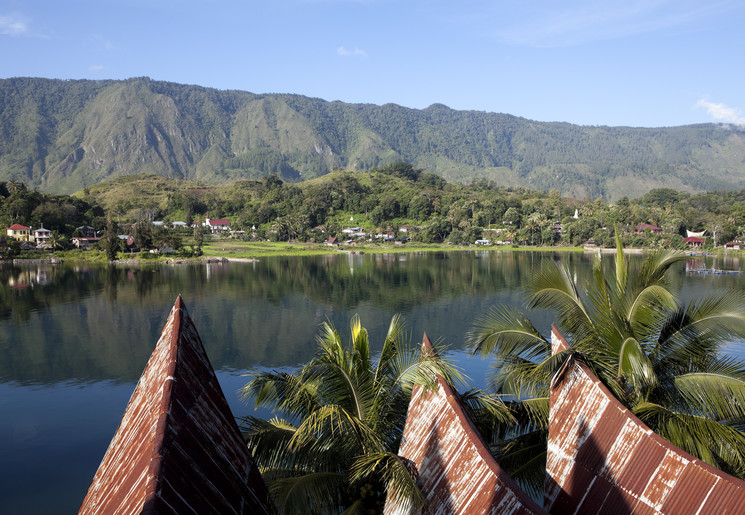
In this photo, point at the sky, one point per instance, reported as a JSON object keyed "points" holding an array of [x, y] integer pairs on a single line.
{"points": [[650, 63]]}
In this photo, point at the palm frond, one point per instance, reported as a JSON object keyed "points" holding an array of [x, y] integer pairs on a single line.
{"points": [[505, 331], [634, 366], [313, 493], [486, 407], [656, 265], [697, 331], [395, 340], [553, 288], [536, 409], [332, 425], [269, 442], [524, 459], [338, 380], [643, 314], [622, 266], [717, 444], [287, 392], [716, 396], [393, 471], [522, 378], [361, 347]]}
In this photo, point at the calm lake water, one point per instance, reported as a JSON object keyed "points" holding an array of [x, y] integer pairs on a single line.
{"points": [[74, 339]]}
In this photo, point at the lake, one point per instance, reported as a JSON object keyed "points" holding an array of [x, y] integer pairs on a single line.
{"points": [[74, 339]]}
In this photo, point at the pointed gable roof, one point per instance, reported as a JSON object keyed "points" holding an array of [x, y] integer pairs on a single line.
{"points": [[177, 448], [454, 468], [603, 459]]}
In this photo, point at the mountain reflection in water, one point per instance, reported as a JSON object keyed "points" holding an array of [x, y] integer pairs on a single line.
{"points": [[75, 338]]}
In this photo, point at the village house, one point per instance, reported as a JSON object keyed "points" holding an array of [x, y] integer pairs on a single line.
{"points": [[652, 228], [20, 232], [129, 243], [693, 241], [216, 225], [86, 231], [85, 237], [42, 237], [356, 232]]}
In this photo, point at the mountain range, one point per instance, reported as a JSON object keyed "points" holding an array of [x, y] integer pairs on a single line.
{"points": [[62, 135]]}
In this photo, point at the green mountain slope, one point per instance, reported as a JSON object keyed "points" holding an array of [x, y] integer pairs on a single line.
{"points": [[60, 136]]}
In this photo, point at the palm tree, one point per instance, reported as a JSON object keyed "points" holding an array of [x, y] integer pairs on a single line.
{"points": [[345, 412], [661, 358]]}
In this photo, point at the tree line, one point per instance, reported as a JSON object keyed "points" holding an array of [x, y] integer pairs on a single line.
{"points": [[382, 201]]}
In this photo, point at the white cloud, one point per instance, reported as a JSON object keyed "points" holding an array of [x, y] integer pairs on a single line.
{"points": [[351, 53], [95, 67], [12, 26], [721, 112]]}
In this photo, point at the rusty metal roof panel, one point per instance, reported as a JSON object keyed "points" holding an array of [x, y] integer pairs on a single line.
{"points": [[603, 459], [455, 470], [690, 491], [177, 448]]}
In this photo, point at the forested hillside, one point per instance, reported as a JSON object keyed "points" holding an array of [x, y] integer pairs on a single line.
{"points": [[60, 136]]}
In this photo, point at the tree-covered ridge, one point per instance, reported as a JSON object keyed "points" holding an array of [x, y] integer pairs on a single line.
{"points": [[388, 202], [60, 136]]}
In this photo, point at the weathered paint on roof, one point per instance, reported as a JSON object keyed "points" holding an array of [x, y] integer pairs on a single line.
{"points": [[215, 222], [455, 470], [177, 448], [603, 459]]}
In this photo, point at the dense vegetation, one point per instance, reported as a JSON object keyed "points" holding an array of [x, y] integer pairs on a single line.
{"points": [[394, 202], [60, 136], [661, 358], [342, 415]]}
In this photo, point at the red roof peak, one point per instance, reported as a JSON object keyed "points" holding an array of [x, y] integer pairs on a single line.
{"points": [[177, 448], [602, 458], [453, 464]]}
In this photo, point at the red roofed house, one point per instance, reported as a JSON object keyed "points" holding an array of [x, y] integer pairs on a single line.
{"points": [[693, 241], [644, 227], [20, 232], [217, 225]]}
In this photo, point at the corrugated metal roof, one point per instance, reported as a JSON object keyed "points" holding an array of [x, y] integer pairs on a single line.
{"points": [[177, 448], [455, 470], [603, 459]]}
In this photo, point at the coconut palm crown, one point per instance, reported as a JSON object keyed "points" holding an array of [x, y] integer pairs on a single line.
{"points": [[661, 358], [343, 416]]}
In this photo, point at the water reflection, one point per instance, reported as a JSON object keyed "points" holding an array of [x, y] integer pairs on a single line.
{"points": [[74, 339], [100, 322]]}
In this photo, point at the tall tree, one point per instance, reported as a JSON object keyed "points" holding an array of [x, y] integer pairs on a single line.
{"points": [[110, 239], [198, 239]]}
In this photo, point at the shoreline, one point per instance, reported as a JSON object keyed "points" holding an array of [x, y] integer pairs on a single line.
{"points": [[245, 252]]}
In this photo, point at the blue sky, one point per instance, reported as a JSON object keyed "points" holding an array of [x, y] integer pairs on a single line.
{"points": [[648, 63]]}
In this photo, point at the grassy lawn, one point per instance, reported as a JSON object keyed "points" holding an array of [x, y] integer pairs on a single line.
{"points": [[245, 250], [233, 249]]}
